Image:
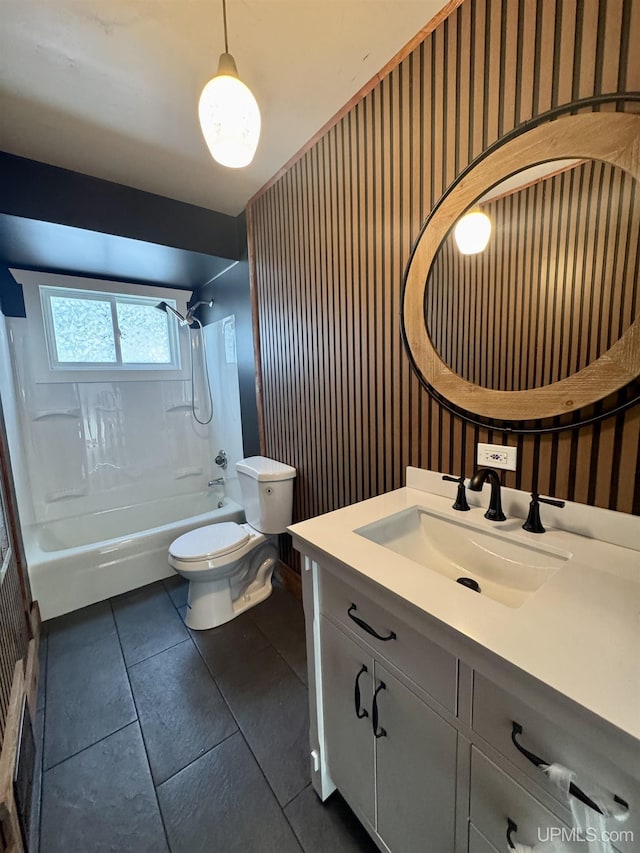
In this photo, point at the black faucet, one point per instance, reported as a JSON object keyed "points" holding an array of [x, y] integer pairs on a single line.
{"points": [[461, 498], [533, 523], [494, 513]]}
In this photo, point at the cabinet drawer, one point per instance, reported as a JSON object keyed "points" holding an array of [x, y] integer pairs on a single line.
{"points": [[432, 668], [496, 799], [495, 711]]}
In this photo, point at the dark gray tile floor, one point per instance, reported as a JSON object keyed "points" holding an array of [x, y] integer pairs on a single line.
{"points": [[157, 738]]}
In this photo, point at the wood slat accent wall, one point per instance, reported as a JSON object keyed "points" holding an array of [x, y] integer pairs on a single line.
{"points": [[14, 634], [331, 238], [15, 596], [555, 288]]}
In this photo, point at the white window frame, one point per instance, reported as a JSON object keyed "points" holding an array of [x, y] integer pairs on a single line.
{"points": [[44, 369], [114, 299]]}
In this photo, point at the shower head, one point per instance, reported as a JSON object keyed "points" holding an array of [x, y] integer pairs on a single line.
{"points": [[189, 319], [163, 306]]}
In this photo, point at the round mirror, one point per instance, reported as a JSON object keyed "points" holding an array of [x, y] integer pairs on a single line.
{"points": [[543, 317], [553, 286]]}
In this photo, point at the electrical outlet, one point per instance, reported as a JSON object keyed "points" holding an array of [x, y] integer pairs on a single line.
{"points": [[497, 456]]}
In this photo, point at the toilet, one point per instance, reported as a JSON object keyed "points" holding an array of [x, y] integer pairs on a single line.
{"points": [[229, 565]]}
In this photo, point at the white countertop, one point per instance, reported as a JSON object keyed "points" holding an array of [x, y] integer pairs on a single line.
{"points": [[579, 633]]}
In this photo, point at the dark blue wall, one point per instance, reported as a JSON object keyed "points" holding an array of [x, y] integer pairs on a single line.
{"points": [[61, 221], [38, 191], [231, 295], [66, 222]]}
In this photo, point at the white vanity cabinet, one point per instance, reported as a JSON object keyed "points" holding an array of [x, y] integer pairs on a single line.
{"points": [[413, 724], [392, 756]]}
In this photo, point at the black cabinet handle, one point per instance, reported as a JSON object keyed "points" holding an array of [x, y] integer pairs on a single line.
{"points": [[511, 828], [391, 635], [374, 712], [360, 712], [540, 762]]}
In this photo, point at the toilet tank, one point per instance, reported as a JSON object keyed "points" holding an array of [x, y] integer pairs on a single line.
{"points": [[267, 493]]}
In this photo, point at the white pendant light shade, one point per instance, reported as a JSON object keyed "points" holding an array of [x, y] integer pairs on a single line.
{"points": [[472, 232], [229, 117]]}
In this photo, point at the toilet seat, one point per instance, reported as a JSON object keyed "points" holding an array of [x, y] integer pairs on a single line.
{"points": [[210, 542]]}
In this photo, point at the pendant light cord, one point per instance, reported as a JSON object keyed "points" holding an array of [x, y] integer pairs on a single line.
{"points": [[224, 19]]}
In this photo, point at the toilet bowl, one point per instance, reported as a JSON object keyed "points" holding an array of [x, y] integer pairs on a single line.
{"points": [[229, 566]]}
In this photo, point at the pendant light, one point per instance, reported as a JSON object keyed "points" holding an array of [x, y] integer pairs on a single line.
{"points": [[229, 114], [472, 232]]}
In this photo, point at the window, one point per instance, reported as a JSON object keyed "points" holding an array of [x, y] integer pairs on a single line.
{"points": [[87, 329]]}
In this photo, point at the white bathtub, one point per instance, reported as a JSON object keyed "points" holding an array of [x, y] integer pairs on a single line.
{"points": [[78, 561]]}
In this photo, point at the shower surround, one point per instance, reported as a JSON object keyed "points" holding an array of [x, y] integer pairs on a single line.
{"points": [[108, 473]]}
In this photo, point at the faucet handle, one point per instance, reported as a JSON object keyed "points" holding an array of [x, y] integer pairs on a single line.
{"points": [[550, 501], [461, 498], [533, 524]]}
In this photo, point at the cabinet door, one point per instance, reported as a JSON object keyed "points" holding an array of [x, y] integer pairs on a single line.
{"points": [[347, 736], [415, 771]]}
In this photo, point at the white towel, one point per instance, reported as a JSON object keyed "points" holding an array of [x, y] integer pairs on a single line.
{"points": [[591, 826]]}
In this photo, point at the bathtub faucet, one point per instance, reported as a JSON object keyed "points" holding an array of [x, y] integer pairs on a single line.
{"points": [[218, 482]]}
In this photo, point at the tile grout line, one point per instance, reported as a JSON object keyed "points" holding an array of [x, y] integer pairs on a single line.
{"points": [[144, 743], [170, 596], [72, 649], [269, 644], [235, 719], [197, 758], [248, 745], [89, 746], [279, 653], [155, 654], [238, 731], [282, 807], [295, 796], [264, 634]]}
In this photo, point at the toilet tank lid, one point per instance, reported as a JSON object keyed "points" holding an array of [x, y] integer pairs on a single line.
{"points": [[261, 468]]}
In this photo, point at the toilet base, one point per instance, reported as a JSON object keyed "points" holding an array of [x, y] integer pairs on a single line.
{"points": [[211, 604]]}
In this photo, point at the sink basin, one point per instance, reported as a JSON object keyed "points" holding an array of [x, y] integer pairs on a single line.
{"points": [[504, 568]]}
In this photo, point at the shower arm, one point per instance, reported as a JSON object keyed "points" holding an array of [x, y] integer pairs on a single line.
{"points": [[189, 318], [193, 308]]}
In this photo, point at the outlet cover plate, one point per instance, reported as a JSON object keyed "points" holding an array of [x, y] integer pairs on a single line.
{"points": [[497, 456]]}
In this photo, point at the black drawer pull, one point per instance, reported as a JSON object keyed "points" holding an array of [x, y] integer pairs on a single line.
{"points": [[391, 635], [360, 712], [511, 828], [374, 712], [573, 789]]}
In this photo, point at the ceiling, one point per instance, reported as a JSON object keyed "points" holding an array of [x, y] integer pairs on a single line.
{"points": [[110, 88]]}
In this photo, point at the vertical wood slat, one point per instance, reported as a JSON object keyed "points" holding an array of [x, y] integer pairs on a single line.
{"points": [[333, 235], [10, 830], [14, 633], [15, 596]]}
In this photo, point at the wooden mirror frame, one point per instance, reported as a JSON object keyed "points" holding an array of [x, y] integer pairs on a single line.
{"points": [[611, 137]]}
